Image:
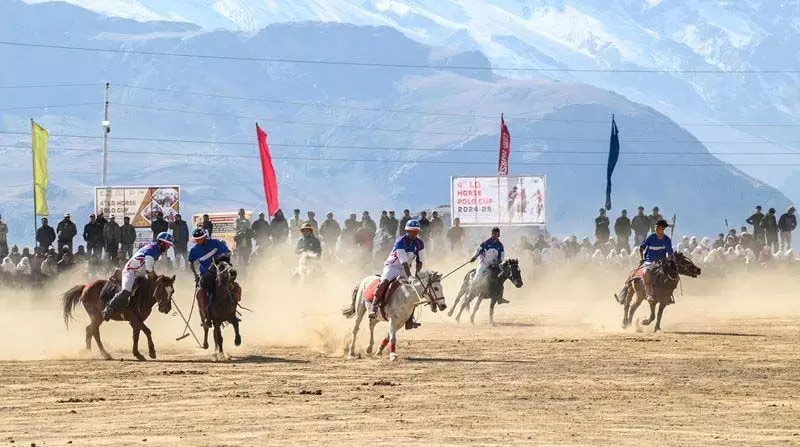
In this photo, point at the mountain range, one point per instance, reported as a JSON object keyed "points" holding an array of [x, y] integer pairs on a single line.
{"points": [[387, 135]]}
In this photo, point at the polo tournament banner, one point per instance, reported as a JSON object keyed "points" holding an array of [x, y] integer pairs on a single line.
{"points": [[139, 203], [224, 224], [506, 201]]}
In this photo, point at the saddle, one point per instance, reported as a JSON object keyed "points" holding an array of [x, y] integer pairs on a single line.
{"points": [[112, 286], [637, 273], [372, 289]]}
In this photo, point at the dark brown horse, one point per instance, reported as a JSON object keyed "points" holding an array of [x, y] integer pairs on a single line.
{"points": [[148, 293], [222, 309], [666, 276]]}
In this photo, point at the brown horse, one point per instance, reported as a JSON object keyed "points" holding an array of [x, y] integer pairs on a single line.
{"points": [[666, 276], [148, 293], [222, 309]]}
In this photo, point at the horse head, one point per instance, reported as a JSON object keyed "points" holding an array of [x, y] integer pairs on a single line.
{"points": [[162, 292], [432, 289], [685, 265], [512, 272], [226, 274]]}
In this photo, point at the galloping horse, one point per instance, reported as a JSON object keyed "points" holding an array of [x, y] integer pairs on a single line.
{"points": [[308, 268], [424, 289], [147, 293], [666, 276], [492, 289], [222, 309]]}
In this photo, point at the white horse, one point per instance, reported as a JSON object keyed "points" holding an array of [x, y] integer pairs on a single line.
{"points": [[425, 289], [307, 267]]}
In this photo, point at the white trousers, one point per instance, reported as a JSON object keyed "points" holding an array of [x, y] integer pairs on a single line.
{"points": [[393, 271]]}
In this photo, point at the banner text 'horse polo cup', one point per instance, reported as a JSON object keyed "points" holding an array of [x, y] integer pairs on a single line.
{"points": [[507, 201]]}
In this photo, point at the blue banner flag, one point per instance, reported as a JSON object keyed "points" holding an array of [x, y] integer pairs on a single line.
{"points": [[613, 156]]}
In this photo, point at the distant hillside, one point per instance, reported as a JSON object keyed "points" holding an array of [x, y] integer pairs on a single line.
{"points": [[426, 125]]}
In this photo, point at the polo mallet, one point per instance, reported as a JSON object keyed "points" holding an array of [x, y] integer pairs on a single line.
{"points": [[188, 319], [456, 269], [187, 325]]}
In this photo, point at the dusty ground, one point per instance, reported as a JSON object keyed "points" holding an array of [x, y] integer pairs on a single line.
{"points": [[557, 371]]}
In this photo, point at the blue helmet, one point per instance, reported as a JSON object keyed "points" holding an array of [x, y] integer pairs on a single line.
{"points": [[412, 225], [199, 233], [165, 238]]}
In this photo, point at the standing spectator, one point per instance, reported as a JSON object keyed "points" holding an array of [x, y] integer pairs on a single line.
{"points": [[755, 221], [159, 224], [403, 221], [102, 221], [541, 243], [367, 221], [243, 237], [641, 226], [312, 221], [45, 235], [456, 236], [260, 229], [424, 228], [180, 236], [66, 232], [330, 232], [207, 225], [294, 224], [786, 224], [36, 261], [351, 226], [719, 242], [437, 232], [770, 226], [112, 234], [127, 237], [93, 235], [655, 217], [3, 238], [383, 222], [279, 228], [731, 240], [50, 266], [391, 225], [747, 241], [601, 231], [622, 228], [14, 255], [365, 237]]}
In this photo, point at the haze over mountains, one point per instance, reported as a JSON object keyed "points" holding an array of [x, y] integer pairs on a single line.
{"points": [[425, 124]]}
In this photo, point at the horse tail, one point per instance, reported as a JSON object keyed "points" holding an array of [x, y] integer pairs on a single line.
{"points": [[70, 299], [349, 312]]}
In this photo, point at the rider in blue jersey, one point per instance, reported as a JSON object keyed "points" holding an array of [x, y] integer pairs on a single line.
{"points": [[491, 253], [408, 248], [201, 257], [656, 247]]}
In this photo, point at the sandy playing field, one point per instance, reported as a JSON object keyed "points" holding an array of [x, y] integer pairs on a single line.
{"points": [[558, 370]]}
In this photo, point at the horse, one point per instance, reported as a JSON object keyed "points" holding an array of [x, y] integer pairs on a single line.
{"points": [[666, 276], [426, 288], [308, 267], [222, 309], [147, 293], [491, 289]]}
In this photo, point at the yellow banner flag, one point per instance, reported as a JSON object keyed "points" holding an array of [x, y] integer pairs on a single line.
{"points": [[41, 179]]}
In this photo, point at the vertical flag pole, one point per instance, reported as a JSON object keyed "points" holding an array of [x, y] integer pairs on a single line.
{"points": [[33, 177]]}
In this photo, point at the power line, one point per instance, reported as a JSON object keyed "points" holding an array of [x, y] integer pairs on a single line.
{"points": [[414, 112], [531, 138], [355, 160], [86, 84], [52, 106], [299, 123], [389, 65]]}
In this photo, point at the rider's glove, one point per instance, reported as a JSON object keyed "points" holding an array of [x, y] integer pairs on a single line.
{"points": [[472, 259]]}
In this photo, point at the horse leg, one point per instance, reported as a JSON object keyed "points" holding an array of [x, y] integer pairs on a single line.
{"points": [[491, 312], [464, 305], [151, 347], [237, 338], [652, 314], [89, 333], [635, 306], [136, 330], [205, 337], [218, 352], [661, 307], [351, 352], [461, 294], [475, 310], [96, 322], [393, 328], [626, 302], [372, 324]]}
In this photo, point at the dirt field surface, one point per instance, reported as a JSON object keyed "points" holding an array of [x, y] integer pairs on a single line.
{"points": [[557, 370]]}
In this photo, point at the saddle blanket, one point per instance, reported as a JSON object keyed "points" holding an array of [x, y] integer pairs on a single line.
{"points": [[638, 273], [202, 297], [372, 289]]}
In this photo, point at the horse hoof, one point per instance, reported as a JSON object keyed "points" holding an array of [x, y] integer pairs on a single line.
{"points": [[237, 341], [140, 357], [153, 354], [107, 357], [392, 356], [205, 345], [369, 350]]}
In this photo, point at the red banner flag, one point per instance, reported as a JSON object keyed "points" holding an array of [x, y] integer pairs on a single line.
{"points": [[505, 148], [268, 172]]}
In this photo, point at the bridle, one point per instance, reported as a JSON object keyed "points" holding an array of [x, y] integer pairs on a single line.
{"points": [[427, 291], [159, 285]]}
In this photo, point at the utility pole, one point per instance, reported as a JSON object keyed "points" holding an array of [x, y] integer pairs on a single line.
{"points": [[106, 131]]}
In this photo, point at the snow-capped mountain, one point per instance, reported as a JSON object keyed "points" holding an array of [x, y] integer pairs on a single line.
{"points": [[688, 41]]}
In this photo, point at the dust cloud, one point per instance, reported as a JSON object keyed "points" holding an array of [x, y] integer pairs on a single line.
{"points": [[555, 301]]}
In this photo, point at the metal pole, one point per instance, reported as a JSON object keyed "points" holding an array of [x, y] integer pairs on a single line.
{"points": [[33, 170], [106, 130]]}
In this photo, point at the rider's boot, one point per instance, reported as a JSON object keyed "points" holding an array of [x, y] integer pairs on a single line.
{"points": [[379, 297], [411, 324], [501, 300], [648, 286], [210, 295], [120, 300]]}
